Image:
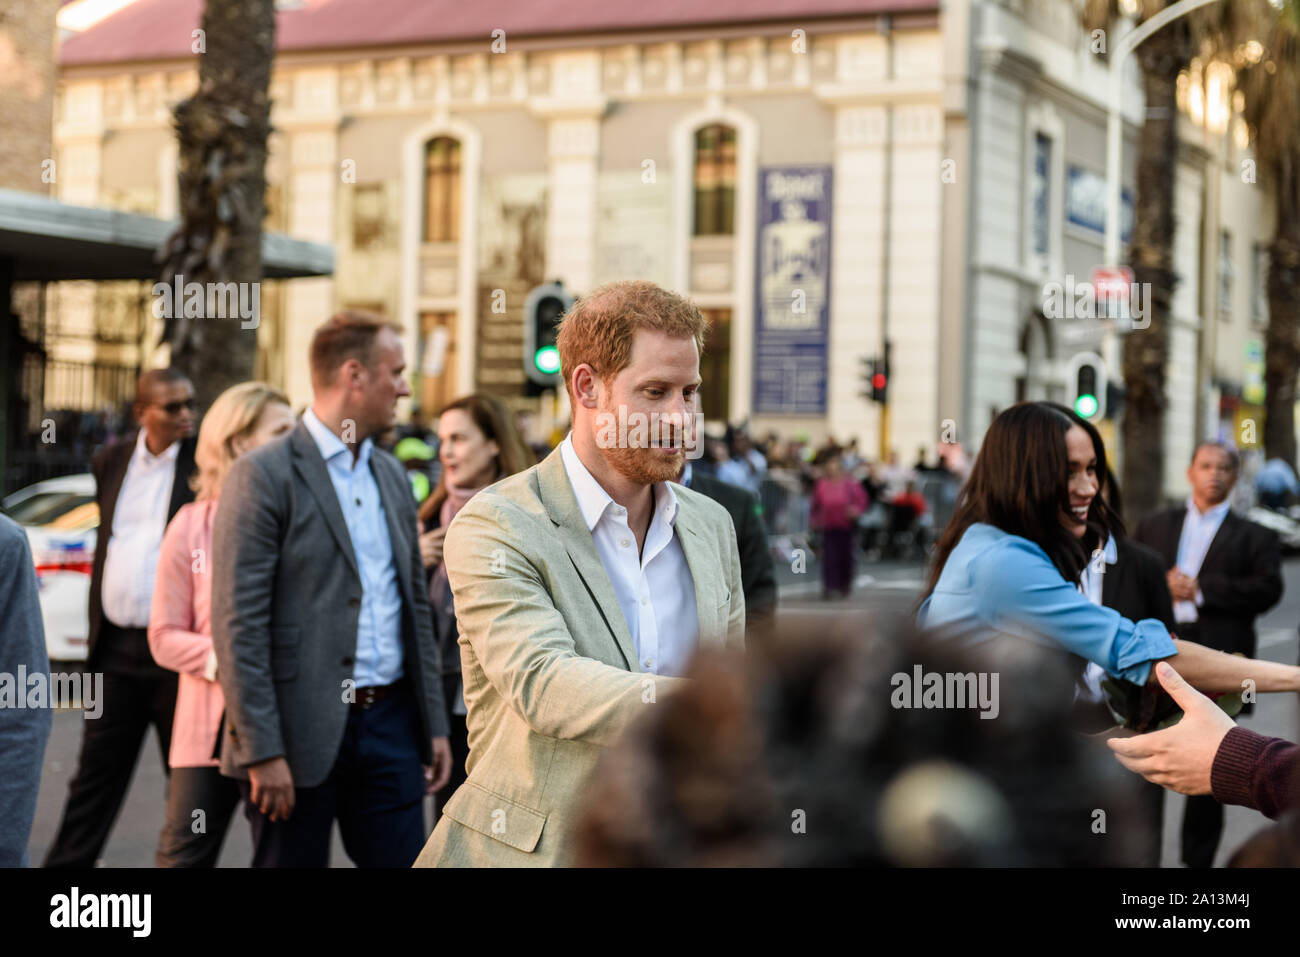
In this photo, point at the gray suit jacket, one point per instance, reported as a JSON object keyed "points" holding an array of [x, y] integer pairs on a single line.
{"points": [[23, 731], [551, 672], [286, 599]]}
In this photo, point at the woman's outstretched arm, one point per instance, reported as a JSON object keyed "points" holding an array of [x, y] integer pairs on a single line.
{"points": [[1217, 672]]}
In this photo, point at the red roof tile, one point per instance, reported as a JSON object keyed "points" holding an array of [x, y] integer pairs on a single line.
{"points": [[160, 29]]}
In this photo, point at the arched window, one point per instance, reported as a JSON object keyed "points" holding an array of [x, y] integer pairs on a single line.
{"points": [[442, 190], [715, 180]]}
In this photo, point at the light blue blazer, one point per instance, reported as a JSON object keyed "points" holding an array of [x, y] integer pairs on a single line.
{"points": [[995, 583]]}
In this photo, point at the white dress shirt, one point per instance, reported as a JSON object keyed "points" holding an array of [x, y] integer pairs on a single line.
{"points": [[1199, 530], [655, 590], [1090, 583], [139, 520]]}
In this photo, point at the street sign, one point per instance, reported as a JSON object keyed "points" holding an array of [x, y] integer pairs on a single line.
{"points": [[1112, 285]]}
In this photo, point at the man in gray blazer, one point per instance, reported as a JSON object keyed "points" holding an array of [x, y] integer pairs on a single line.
{"points": [[24, 730], [322, 630]]}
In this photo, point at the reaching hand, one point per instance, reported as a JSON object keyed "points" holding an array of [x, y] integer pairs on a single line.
{"points": [[1179, 758]]}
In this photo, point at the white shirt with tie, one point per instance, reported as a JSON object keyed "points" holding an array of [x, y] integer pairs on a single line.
{"points": [[139, 520], [655, 589], [1199, 529]]}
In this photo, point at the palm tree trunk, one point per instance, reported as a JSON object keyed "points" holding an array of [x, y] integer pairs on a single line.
{"points": [[222, 132], [1146, 351], [1282, 351]]}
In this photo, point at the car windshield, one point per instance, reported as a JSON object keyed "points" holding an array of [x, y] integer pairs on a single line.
{"points": [[44, 507]]}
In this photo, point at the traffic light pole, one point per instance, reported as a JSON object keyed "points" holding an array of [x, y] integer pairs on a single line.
{"points": [[884, 412]]}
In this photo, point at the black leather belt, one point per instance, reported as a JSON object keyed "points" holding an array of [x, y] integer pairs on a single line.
{"points": [[368, 696]]}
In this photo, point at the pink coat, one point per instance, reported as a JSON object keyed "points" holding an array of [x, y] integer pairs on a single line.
{"points": [[180, 633]]}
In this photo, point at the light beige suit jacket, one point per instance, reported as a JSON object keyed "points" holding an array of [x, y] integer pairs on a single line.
{"points": [[550, 669]]}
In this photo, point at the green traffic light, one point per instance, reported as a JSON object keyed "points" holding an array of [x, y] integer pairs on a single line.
{"points": [[1086, 406], [547, 360]]}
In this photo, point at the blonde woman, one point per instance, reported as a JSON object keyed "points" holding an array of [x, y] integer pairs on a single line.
{"points": [[180, 637]]}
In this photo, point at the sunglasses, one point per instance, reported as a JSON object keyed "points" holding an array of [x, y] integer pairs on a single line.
{"points": [[174, 408]]}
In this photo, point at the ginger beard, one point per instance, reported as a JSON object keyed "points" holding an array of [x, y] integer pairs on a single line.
{"points": [[642, 457]]}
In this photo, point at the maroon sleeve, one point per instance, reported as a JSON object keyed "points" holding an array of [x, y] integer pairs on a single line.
{"points": [[1256, 771]]}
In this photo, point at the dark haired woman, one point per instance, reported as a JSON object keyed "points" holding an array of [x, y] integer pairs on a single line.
{"points": [[479, 444], [1130, 578], [1010, 559]]}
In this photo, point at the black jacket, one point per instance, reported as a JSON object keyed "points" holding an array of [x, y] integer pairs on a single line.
{"points": [[757, 571], [109, 466], [1240, 578], [1135, 585]]}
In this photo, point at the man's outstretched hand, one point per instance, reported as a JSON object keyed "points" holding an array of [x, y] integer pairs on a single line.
{"points": [[1179, 758]]}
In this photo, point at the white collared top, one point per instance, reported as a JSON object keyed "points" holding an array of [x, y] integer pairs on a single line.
{"points": [[655, 590], [139, 520], [1199, 529]]}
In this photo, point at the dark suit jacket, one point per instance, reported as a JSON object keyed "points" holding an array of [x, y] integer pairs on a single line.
{"points": [[757, 571], [286, 600], [1135, 585], [109, 466], [1240, 578]]}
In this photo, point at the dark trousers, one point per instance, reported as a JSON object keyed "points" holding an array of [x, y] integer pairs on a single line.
{"points": [[136, 693], [1151, 805], [1202, 828], [837, 560], [190, 839], [375, 790], [459, 740]]}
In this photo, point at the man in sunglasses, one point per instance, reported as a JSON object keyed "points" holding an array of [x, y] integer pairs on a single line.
{"points": [[140, 482]]}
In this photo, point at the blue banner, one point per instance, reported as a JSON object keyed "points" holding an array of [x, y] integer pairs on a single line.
{"points": [[793, 285]]}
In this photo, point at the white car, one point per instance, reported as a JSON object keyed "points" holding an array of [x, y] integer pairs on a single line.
{"points": [[61, 518]]}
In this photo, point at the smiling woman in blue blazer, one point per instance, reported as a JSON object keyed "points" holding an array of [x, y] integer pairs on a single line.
{"points": [[1008, 564]]}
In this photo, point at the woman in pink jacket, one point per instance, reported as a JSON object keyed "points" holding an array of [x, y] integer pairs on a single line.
{"points": [[200, 801]]}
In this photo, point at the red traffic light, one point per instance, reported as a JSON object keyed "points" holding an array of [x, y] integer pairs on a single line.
{"points": [[878, 381]]}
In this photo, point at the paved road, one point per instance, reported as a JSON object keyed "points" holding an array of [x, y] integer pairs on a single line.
{"points": [[881, 585]]}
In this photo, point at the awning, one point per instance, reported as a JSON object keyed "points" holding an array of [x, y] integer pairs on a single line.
{"points": [[43, 239]]}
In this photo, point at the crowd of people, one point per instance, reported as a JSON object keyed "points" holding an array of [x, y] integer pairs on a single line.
{"points": [[580, 655]]}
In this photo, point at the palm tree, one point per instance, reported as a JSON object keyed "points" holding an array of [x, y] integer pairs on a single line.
{"points": [[222, 131], [1146, 351], [1260, 39]]}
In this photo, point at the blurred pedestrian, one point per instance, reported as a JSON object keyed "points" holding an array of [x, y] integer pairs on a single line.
{"points": [[757, 570], [837, 501], [324, 639], [140, 483], [24, 731], [584, 585], [807, 754], [1275, 483], [479, 444], [241, 419], [1223, 572]]}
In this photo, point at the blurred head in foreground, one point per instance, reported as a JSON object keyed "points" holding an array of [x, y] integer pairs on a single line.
{"points": [[820, 750]]}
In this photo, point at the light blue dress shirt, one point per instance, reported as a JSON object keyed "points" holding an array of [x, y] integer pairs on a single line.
{"points": [[995, 583], [379, 629], [1194, 541]]}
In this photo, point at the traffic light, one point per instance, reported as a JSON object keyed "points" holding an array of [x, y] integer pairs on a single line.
{"points": [[1087, 384], [543, 310], [875, 378]]}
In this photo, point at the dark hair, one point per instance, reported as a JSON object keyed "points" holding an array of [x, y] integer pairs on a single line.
{"points": [[151, 378], [349, 334], [1107, 509], [1020, 484], [1233, 458], [811, 728]]}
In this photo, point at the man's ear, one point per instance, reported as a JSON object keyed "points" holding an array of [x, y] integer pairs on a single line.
{"points": [[586, 386]]}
